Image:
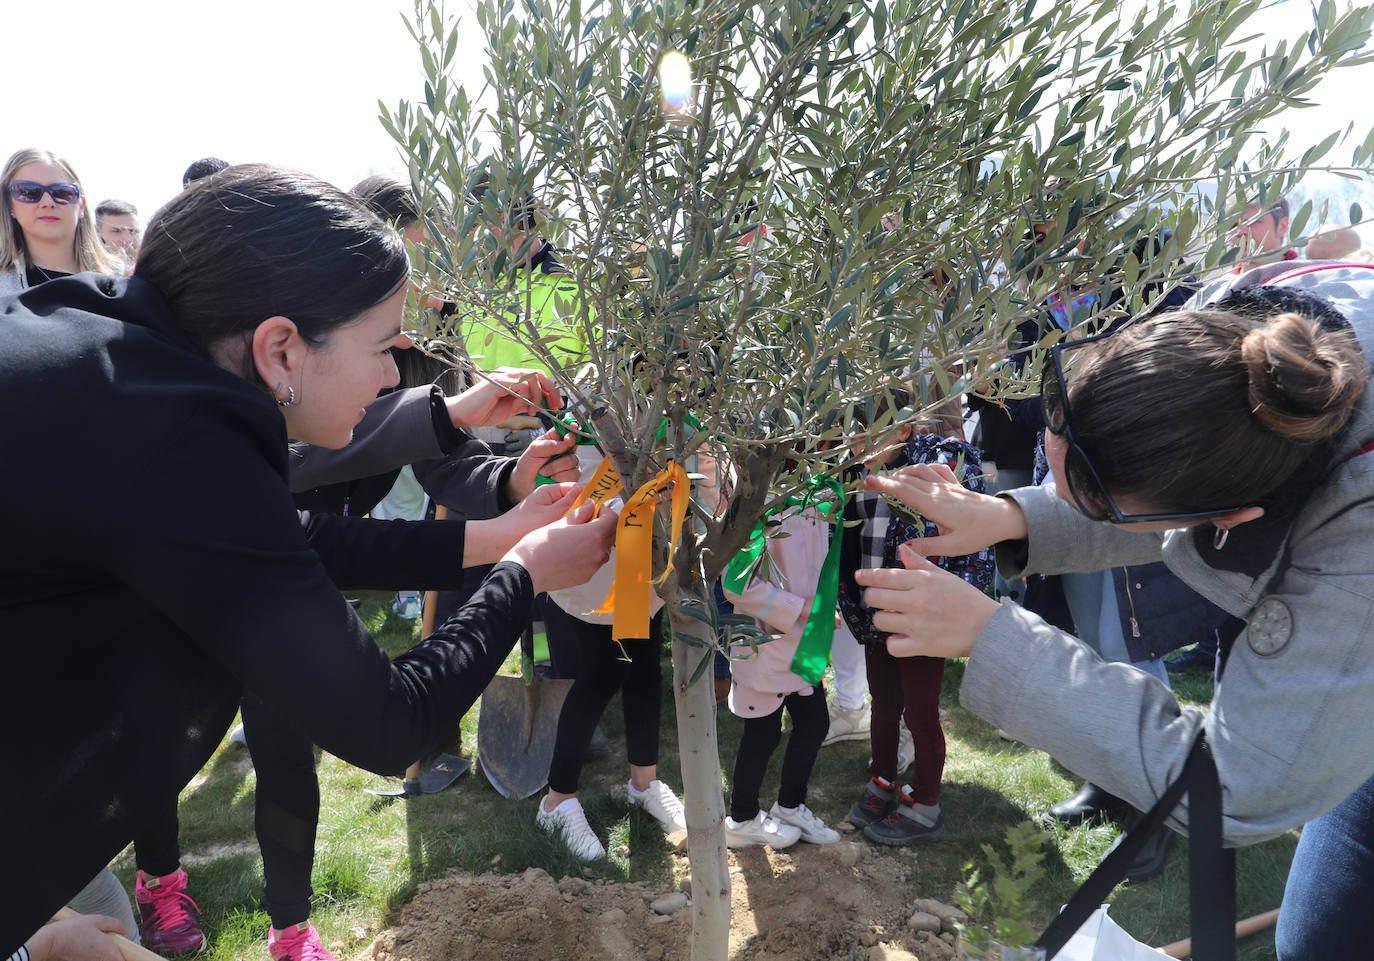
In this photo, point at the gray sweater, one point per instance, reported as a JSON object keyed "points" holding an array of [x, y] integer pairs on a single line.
{"points": [[1290, 724]]}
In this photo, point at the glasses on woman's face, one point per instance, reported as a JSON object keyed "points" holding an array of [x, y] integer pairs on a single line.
{"points": [[30, 192], [1081, 478]]}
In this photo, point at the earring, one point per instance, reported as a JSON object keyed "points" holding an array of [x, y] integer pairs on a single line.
{"points": [[1219, 538], [290, 397]]}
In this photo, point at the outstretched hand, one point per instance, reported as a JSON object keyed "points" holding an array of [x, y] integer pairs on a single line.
{"points": [[927, 610], [550, 455], [968, 521], [569, 551], [503, 393]]}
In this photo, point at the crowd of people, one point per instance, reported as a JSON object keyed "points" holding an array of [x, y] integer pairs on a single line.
{"points": [[247, 355]]}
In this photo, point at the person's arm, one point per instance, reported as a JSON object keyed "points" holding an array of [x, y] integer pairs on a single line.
{"points": [[1289, 721], [364, 554], [1060, 540], [398, 429], [84, 938], [1033, 529], [222, 554]]}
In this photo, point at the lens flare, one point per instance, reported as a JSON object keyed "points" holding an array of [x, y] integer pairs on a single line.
{"points": [[675, 83]]}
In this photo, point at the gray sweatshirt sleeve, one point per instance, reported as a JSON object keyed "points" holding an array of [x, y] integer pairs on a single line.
{"points": [[1062, 541], [1289, 724], [397, 430]]}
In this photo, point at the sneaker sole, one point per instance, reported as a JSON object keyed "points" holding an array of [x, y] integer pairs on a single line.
{"points": [[851, 736], [862, 820], [898, 842]]}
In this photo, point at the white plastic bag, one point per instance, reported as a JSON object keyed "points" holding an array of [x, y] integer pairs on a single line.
{"points": [[1102, 939]]}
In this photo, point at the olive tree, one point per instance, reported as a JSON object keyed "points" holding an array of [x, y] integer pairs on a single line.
{"points": [[774, 211]]}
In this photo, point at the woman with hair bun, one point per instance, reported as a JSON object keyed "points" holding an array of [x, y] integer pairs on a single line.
{"points": [[47, 231], [1236, 441]]}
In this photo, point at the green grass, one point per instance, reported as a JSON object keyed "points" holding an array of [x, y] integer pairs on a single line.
{"points": [[372, 853]]}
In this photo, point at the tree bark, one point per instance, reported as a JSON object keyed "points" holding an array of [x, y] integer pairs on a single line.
{"points": [[701, 786]]}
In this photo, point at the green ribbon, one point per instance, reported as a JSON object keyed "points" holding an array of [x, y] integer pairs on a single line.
{"points": [[566, 424], [813, 650]]}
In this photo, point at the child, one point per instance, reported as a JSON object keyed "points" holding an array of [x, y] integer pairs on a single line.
{"points": [[764, 683], [901, 688]]}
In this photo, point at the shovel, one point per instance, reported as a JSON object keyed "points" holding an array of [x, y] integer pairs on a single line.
{"points": [[446, 768], [517, 726]]}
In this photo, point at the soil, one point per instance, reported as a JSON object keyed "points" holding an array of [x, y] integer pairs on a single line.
{"points": [[806, 903]]}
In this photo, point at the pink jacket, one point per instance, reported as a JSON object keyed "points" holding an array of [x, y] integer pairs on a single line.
{"points": [[762, 680]]}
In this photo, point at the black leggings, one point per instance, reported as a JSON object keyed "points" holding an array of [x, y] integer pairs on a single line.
{"points": [[601, 672], [286, 810], [810, 721]]}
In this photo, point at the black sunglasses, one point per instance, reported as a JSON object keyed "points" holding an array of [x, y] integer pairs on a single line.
{"points": [[1080, 476], [30, 192]]}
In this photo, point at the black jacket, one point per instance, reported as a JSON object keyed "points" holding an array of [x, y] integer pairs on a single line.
{"points": [[155, 567]]}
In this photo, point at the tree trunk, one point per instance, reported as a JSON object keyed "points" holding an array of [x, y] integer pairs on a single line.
{"points": [[701, 788]]}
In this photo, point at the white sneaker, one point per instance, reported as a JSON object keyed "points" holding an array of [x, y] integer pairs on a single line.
{"points": [[661, 804], [906, 750], [762, 830], [406, 605], [812, 828], [237, 738], [847, 723], [569, 821]]}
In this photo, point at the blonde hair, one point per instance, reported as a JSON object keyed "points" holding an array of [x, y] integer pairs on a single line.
{"points": [[86, 246]]}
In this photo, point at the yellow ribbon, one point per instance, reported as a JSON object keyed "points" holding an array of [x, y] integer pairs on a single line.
{"points": [[630, 593]]}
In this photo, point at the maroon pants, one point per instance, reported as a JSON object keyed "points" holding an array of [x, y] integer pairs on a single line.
{"points": [[907, 689]]}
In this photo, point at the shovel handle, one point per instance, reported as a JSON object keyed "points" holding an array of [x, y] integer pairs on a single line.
{"points": [[431, 597], [1257, 922], [131, 951]]}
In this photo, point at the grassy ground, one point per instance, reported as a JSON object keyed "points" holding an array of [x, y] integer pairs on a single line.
{"points": [[373, 852]]}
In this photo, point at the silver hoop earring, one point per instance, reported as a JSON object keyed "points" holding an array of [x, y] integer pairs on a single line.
{"points": [[290, 397], [1219, 538]]}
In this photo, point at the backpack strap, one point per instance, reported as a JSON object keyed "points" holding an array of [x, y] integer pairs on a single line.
{"points": [[1211, 868]]}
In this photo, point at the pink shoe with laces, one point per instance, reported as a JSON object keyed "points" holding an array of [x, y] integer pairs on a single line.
{"points": [[300, 942], [165, 922]]}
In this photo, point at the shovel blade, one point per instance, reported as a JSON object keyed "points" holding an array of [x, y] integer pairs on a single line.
{"points": [[516, 729]]}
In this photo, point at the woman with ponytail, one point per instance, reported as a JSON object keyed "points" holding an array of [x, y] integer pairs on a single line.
{"points": [[1233, 441]]}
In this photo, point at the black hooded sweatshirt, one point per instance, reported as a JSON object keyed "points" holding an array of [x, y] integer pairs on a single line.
{"points": [[154, 567]]}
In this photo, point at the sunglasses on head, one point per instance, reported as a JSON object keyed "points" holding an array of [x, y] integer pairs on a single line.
{"points": [[30, 192], [1080, 476]]}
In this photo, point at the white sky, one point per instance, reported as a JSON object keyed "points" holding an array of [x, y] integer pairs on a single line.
{"points": [[131, 92]]}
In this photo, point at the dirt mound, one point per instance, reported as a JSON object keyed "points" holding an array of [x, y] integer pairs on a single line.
{"points": [[808, 903]]}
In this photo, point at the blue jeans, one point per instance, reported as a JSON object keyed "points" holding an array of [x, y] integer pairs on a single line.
{"points": [[1331, 884]]}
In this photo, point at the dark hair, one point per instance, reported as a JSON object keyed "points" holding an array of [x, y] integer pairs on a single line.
{"points": [[258, 241], [1203, 409], [522, 214], [388, 198], [202, 168], [114, 208]]}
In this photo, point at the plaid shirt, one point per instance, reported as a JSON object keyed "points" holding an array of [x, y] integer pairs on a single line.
{"points": [[873, 543]]}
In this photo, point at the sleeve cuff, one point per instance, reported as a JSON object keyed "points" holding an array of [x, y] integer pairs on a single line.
{"points": [[448, 436]]}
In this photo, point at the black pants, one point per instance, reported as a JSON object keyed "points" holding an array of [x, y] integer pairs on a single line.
{"points": [[286, 811], [601, 671], [810, 721]]}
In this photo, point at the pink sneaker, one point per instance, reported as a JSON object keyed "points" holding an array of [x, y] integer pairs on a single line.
{"points": [[297, 943], [165, 923]]}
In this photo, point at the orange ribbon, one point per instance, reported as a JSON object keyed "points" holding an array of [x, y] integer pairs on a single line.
{"points": [[630, 593]]}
